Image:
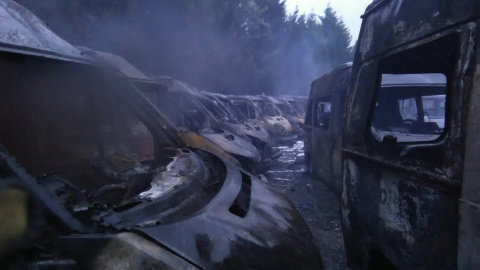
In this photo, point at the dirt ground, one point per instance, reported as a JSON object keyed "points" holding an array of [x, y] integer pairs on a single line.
{"points": [[318, 205]]}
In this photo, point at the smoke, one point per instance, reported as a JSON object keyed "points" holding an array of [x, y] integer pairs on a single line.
{"points": [[198, 42], [298, 67]]}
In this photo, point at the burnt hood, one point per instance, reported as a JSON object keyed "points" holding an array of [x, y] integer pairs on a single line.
{"points": [[252, 130], [231, 143], [246, 226]]}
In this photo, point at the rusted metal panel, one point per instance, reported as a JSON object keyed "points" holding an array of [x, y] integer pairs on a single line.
{"points": [[410, 223]]}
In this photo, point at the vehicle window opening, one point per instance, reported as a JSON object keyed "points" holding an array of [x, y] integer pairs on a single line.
{"points": [[235, 115], [79, 131], [269, 109], [400, 107], [411, 104], [251, 112], [214, 108], [243, 108], [180, 110], [323, 112]]}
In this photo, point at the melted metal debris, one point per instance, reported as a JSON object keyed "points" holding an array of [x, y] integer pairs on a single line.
{"points": [[165, 181]]}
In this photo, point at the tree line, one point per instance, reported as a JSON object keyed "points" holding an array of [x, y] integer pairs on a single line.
{"points": [[234, 46]]}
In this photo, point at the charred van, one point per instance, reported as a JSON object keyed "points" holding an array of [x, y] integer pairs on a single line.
{"points": [[410, 195], [269, 117], [324, 125]]}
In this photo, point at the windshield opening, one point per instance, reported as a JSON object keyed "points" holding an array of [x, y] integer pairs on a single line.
{"points": [[269, 109], [178, 107], [73, 127], [214, 108], [233, 112]]}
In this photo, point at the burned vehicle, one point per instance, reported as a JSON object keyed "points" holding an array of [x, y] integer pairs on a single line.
{"points": [[269, 117], [193, 124], [298, 103], [410, 155], [288, 112], [201, 127], [324, 125], [295, 108], [237, 121], [255, 136], [103, 181]]}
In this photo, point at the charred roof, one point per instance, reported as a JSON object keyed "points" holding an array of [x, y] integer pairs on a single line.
{"points": [[22, 32], [117, 63], [388, 24], [330, 82]]}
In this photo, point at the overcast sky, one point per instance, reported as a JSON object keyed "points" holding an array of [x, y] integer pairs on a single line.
{"points": [[349, 10]]}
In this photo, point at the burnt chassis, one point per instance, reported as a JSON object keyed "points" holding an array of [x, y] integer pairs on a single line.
{"points": [[401, 203], [278, 127]]}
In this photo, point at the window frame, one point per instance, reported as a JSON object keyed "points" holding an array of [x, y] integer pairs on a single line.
{"points": [[375, 98], [315, 118]]}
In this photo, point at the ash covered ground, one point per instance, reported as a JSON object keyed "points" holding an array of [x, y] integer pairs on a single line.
{"points": [[318, 205]]}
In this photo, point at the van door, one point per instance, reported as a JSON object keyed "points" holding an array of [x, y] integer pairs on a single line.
{"points": [[401, 169], [469, 206], [322, 137]]}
